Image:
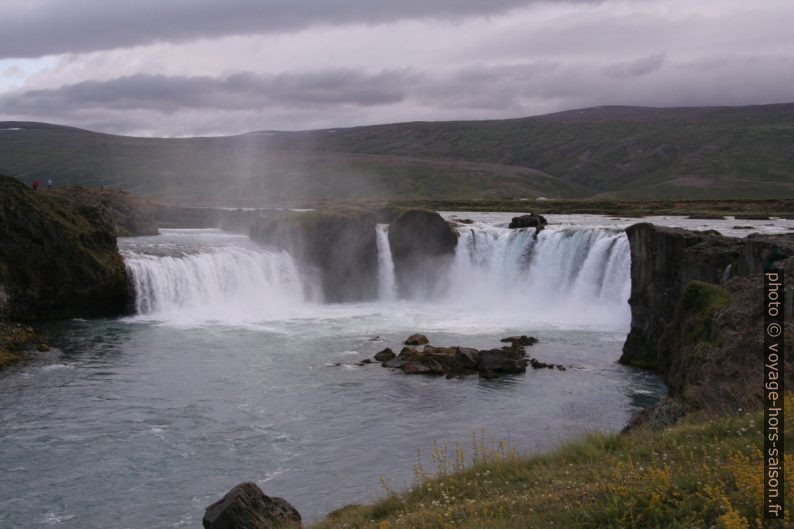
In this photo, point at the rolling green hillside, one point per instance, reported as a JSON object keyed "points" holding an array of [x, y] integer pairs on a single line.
{"points": [[602, 152]]}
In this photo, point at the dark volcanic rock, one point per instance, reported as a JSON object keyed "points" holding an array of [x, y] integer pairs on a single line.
{"points": [[58, 255], [422, 246], [533, 220], [417, 339], [459, 361], [385, 355], [247, 507], [503, 361], [336, 246], [697, 315], [520, 340], [664, 261]]}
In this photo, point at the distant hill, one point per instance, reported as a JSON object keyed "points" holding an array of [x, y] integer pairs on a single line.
{"points": [[601, 152]]}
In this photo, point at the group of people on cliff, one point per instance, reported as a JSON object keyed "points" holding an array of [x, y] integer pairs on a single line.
{"points": [[50, 183]]}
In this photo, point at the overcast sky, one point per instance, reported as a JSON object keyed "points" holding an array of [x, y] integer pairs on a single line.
{"points": [[207, 67]]}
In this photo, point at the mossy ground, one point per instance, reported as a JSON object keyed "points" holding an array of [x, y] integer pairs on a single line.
{"points": [[697, 305], [700, 473], [14, 339]]}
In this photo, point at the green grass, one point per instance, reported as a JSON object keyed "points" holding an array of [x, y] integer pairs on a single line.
{"points": [[697, 304], [610, 153], [699, 473]]}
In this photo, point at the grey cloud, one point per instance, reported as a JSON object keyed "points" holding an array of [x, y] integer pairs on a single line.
{"points": [[636, 68], [157, 105], [241, 91], [55, 27]]}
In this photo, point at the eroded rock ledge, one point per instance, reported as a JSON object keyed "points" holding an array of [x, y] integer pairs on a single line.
{"points": [[338, 247], [697, 317]]}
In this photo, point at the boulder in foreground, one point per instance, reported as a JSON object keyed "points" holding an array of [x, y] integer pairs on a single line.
{"points": [[247, 507]]}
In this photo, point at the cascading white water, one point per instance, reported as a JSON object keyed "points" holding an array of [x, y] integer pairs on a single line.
{"points": [[565, 274], [387, 285], [571, 275], [222, 282]]}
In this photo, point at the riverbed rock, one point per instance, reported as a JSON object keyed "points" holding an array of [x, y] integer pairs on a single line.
{"points": [[422, 246], [533, 220], [503, 361], [523, 340], [385, 355], [417, 339], [337, 247], [58, 255], [247, 507]]}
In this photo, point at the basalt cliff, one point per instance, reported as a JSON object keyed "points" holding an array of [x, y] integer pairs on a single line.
{"points": [[696, 307], [338, 247], [58, 254]]}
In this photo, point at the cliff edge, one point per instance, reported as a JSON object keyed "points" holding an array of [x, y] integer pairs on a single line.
{"points": [[58, 255], [696, 307]]}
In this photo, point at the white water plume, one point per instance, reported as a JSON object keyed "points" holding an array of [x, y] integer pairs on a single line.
{"points": [[221, 281], [574, 275], [387, 284]]}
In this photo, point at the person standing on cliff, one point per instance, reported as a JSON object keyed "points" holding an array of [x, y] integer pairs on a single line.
{"points": [[35, 185], [49, 184]]}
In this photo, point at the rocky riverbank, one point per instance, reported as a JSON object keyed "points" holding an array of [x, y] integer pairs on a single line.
{"points": [[59, 259]]}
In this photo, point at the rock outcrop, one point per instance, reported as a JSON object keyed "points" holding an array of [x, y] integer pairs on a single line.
{"points": [[533, 220], [131, 214], [697, 317], [422, 246], [336, 246], [58, 255], [417, 339], [664, 260], [459, 361], [247, 507]]}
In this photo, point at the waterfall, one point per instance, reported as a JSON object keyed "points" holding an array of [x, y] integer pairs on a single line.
{"points": [[217, 281], [578, 274], [387, 285], [560, 275]]}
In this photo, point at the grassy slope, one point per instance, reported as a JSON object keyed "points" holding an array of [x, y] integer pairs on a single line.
{"points": [[606, 152], [700, 473]]}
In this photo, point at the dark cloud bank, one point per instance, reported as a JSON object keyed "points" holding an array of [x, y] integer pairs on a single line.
{"points": [[34, 29]]}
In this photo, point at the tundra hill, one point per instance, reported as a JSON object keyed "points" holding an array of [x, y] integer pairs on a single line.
{"points": [[601, 152]]}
